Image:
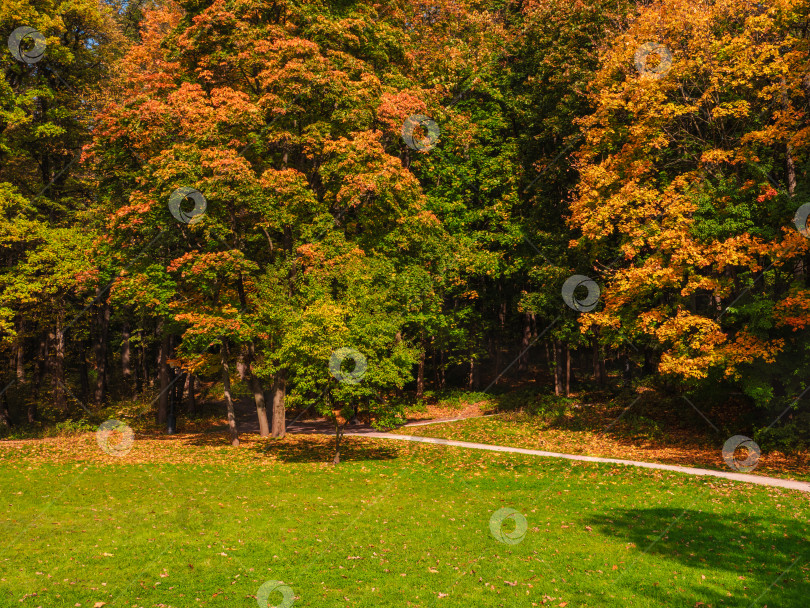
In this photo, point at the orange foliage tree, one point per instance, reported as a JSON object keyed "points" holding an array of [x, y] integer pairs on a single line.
{"points": [[694, 165]]}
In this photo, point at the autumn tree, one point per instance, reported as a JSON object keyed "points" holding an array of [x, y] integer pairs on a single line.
{"points": [[691, 176], [271, 114]]}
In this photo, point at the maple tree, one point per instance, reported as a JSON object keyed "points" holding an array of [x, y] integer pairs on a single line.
{"points": [[283, 145], [691, 178]]}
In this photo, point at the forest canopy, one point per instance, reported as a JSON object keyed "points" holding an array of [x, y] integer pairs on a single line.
{"points": [[343, 203]]}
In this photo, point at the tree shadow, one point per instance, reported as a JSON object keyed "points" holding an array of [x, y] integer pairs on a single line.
{"points": [[754, 550], [312, 448], [295, 448]]}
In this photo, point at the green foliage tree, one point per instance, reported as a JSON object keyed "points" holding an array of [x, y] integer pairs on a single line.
{"points": [[48, 95]]}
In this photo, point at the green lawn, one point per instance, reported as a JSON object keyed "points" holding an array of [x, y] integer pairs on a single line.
{"points": [[397, 526]]}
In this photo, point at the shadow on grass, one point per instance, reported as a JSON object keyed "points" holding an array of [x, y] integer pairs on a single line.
{"points": [[309, 448], [755, 550], [298, 448]]}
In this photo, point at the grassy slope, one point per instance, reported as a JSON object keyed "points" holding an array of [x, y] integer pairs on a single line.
{"points": [[395, 525], [629, 438]]}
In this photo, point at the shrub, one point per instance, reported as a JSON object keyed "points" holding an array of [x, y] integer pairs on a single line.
{"points": [[72, 427]]}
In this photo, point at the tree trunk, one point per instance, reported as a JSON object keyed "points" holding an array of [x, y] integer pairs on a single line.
{"points": [[20, 355], [258, 392], [490, 349], [559, 381], [126, 358], [279, 406], [420, 374], [39, 375], [442, 366], [5, 415], [191, 380], [100, 348], [22, 381], [523, 365], [163, 377], [627, 370], [242, 362], [471, 373], [226, 383], [146, 379], [60, 402], [338, 435], [502, 320], [178, 388], [32, 411], [84, 372], [602, 370], [567, 371], [599, 374], [649, 365], [261, 407]]}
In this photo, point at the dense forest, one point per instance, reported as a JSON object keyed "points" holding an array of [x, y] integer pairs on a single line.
{"points": [[334, 204]]}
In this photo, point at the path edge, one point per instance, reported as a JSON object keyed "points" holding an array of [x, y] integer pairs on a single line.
{"points": [[776, 482]]}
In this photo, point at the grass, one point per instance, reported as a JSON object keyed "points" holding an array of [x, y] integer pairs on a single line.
{"points": [[187, 521], [632, 428]]}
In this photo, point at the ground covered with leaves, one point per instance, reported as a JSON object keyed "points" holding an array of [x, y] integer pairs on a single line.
{"points": [[629, 427], [188, 521]]}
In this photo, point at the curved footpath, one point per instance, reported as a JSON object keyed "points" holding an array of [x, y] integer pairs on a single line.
{"points": [[322, 427], [802, 486]]}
